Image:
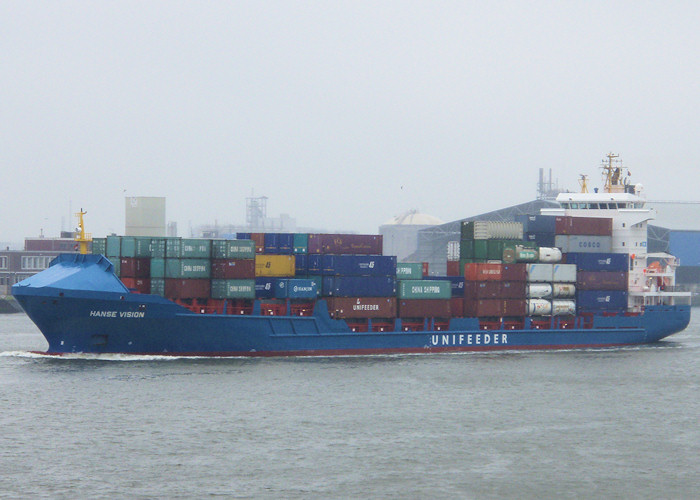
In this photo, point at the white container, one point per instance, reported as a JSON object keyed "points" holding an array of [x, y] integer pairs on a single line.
{"points": [[583, 244], [539, 290], [563, 308], [493, 230], [539, 272], [549, 254], [564, 273], [452, 250], [563, 290], [539, 307]]}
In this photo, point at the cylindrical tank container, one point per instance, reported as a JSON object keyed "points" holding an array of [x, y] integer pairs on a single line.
{"points": [[539, 290], [562, 307], [539, 272], [539, 307], [561, 290], [549, 254], [564, 273]]}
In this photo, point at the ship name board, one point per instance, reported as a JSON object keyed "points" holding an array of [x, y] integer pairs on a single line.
{"points": [[117, 314], [455, 339]]}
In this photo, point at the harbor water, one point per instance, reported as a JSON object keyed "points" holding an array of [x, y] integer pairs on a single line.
{"points": [[607, 423]]}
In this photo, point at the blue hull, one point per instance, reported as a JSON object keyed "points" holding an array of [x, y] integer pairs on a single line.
{"points": [[80, 306]]}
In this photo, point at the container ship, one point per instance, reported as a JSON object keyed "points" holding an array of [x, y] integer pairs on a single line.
{"points": [[577, 276]]}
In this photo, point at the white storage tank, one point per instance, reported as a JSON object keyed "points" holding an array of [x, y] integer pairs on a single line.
{"points": [[547, 254], [539, 290], [539, 307], [563, 307], [561, 290]]}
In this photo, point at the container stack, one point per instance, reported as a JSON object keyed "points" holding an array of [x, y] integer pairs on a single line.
{"points": [[483, 241], [494, 290], [602, 281]]}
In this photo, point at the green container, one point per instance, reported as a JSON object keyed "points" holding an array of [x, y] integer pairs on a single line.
{"points": [[409, 271], [99, 246], [301, 243], [158, 247], [233, 289], [158, 286], [157, 268], [173, 247], [466, 249], [114, 246], [117, 265], [424, 289], [187, 268], [195, 248], [494, 249], [136, 246], [480, 249], [233, 249], [313, 277]]}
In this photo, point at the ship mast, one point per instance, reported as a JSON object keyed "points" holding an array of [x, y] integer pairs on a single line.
{"points": [[583, 181], [613, 178], [81, 237]]}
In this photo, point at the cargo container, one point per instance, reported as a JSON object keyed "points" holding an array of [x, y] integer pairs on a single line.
{"points": [[539, 272], [457, 307], [583, 244], [409, 271], [583, 226], [562, 307], [233, 268], [424, 289], [481, 249], [453, 268], [139, 285], [157, 268], [135, 246], [425, 308], [99, 246], [482, 289], [479, 271], [549, 254], [296, 288], [280, 266], [116, 262], [233, 288], [454, 250], [233, 249], [265, 287], [512, 289], [491, 230], [314, 263], [601, 300], [358, 286], [537, 223], [456, 284], [354, 244], [132, 267], [515, 307], [514, 272], [598, 261], [564, 273], [271, 243], [301, 243], [539, 290], [158, 286], [562, 290], [158, 246], [301, 264], [602, 280], [519, 253], [539, 307], [480, 308], [187, 268], [187, 288], [360, 265], [362, 307], [114, 246], [540, 239]]}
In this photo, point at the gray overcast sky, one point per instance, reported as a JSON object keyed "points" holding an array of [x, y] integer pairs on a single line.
{"points": [[329, 108]]}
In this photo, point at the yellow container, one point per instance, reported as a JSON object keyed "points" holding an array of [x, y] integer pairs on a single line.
{"points": [[275, 266]]}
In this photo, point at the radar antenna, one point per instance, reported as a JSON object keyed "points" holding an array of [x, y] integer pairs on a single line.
{"points": [[583, 181], [614, 178], [81, 237]]}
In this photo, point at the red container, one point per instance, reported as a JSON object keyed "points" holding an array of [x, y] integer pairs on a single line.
{"points": [[453, 268], [131, 267], [482, 289], [514, 272], [259, 240], [425, 308], [187, 288], [140, 285], [361, 307], [233, 268], [584, 226], [513, 289], [480, 308], [601, 280], [457, 307], [352, 244], [482, 271], [514, 307], [426, 269]]}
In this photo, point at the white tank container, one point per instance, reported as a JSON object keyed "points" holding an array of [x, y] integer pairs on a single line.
{"points": [[549, 254], [563, 307], [539, 307], [539, 290], [564, 273], [562, 290], [539, 272]]}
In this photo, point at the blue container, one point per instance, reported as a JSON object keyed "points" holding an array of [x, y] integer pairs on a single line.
{"points": [[271, 245], [457, 284], [359, 286], [243, 236], [540, 239], [685, 245], [358, 265], [265, 287], [314, 263], [601, 301], [598, 261], [296, 289], [301, 264], [537, 223], [285, 243]]}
